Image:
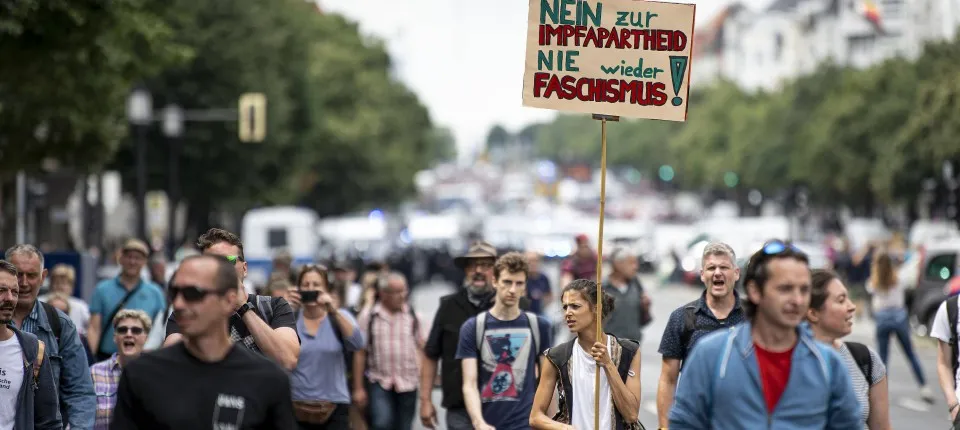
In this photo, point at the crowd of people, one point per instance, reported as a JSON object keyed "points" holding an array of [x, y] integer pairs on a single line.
{"points": [[317, 350]]}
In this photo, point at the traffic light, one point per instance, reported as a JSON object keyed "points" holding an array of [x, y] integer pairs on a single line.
{"points": [[252, 112]]}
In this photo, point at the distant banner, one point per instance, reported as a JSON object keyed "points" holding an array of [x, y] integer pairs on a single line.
{"points": [[615, 57]]}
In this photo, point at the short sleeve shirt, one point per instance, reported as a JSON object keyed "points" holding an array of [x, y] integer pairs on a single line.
{"points": [[148, 298], [282, 317], [506, 377], [861, 387], [941, 331], [672, 343]]}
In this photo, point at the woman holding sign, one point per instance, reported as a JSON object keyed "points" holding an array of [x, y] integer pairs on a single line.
{"points": [[570, 368]]}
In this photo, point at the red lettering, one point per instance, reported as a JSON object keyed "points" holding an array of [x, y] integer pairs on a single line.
{"points": [[539, 80], [657, 91], [625, 38], [569, 90], [679, 41]]}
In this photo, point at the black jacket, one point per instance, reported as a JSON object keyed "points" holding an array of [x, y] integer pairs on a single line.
{"points": [[455, 309]]}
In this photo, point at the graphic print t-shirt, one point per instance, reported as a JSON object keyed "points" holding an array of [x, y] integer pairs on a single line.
{"points": [[507, 376], [11, 377]]}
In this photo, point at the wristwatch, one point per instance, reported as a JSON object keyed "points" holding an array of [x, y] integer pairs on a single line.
{"points": [[244, 309]]}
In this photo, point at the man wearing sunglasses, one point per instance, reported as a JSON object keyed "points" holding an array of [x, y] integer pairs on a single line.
{"points": [[737, 378], [130, 330], [260, 323], [207, 378]]}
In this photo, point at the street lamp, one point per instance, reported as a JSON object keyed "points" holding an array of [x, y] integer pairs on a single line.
{"points": [[173, 129], [140, 115]]}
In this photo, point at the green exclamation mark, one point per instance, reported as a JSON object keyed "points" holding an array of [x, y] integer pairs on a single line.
{"points": [[678, 67]]}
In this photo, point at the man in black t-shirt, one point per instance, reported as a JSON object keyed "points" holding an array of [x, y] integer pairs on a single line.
{"points": [[260, 323], [205, 380]]}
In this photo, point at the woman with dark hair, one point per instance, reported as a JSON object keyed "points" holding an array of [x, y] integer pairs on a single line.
{"points": [[890, 313], [321, 398], [571, 368], [831, 316]]}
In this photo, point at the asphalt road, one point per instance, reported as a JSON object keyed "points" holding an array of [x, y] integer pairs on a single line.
{"points": [[907, 411]]}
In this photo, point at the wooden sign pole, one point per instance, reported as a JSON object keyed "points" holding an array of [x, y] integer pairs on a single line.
{"points": [[603, 201]]}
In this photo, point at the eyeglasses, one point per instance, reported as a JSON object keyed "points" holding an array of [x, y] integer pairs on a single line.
{"points": [[122, 330], [191, 293]]}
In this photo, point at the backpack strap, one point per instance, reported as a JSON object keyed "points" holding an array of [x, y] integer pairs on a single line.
{"points": [[265, 306], [481, 327], [416, 322], [54, 321], [689, 326], [861, 354], [629, 348], [535, 329], [38, 362], [952, 319], [560, 354]]}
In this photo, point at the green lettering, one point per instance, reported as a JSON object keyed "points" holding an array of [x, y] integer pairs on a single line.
{"points": [[546, 10], [650, 15], [592, 14], [545, 60], [571, 64], [565, 12], [621, 19]]}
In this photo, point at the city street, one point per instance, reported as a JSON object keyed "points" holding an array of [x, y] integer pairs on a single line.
{"points": [[906, 408]]}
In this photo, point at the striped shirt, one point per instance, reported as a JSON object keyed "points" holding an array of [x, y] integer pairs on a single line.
{"points": [[860, 385], [31, 322], [106, 378], [393, 359]]}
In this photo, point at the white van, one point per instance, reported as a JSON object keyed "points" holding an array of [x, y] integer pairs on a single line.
{"points": [[267, 231]]}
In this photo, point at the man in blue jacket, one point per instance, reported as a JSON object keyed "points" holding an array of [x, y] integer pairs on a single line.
{"points": [[67, 357], [737, 378], [28, 397]]}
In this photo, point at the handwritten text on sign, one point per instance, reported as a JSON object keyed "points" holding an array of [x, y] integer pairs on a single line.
{"points": [[615, 57]]}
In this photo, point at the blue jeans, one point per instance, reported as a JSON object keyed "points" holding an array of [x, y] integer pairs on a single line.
{"points": [[390, 410], [896, 321]]}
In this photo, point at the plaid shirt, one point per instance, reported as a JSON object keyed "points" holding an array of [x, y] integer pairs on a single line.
{"points": [[393, 361], [106, 378]]}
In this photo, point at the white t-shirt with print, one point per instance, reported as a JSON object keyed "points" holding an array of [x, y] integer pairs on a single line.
{"points": [[941, 331], [11, 377]]}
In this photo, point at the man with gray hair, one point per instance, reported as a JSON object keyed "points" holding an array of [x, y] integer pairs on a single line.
{"points": [[717, 308], [386, 372], [71, 374], [632, 312]]}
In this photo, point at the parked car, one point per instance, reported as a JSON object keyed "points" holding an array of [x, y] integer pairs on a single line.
{"points": [[938, 263]]}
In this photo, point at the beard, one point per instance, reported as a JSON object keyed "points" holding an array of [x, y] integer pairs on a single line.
{"points": [[485, 288]]}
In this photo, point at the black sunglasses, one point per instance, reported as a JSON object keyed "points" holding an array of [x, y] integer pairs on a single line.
{"points": [[191, 293], [122, 330]]}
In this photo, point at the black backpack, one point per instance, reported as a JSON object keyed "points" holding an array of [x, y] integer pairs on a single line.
{"points": [[54, 321], [559, 356], [861, 354]]}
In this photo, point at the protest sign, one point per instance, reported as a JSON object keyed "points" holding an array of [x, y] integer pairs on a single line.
{"points": [[614, 57]]}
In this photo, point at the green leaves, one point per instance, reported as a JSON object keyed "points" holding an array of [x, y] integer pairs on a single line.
{"points": [[856, 136], [68, 68]]}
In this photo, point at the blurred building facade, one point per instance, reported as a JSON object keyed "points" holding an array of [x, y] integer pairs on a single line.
{"points": [[762, 50]]}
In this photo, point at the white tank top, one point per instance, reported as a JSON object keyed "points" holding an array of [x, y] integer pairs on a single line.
{"points": [[582, 377]]}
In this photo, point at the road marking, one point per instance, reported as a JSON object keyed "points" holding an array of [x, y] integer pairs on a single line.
{"points": [[913, 405]]}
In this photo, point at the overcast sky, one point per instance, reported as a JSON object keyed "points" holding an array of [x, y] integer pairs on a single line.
{"points": [[464, 59]]}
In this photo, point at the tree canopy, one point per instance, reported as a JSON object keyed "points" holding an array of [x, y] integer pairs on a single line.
{"points": [[860, 137], [342, 132]]}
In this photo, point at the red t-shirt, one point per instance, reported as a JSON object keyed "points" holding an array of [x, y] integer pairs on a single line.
{"points": [[774, 373]]}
